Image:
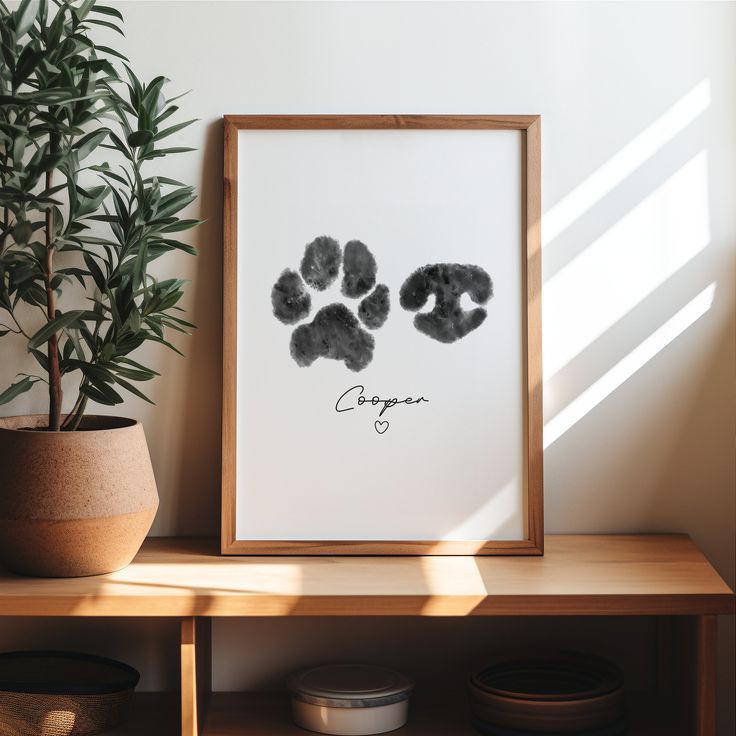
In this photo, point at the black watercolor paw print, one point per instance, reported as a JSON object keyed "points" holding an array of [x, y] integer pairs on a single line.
{"points": [[335, 332], [448, 321]]}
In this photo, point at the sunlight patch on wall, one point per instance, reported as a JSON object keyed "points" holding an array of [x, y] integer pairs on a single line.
{"points": [[625, 264], [625, 162], [628, 366]]}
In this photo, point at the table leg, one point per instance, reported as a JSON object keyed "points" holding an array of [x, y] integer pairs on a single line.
{"points": [[705, 671], [196, 672], [666, 658]]}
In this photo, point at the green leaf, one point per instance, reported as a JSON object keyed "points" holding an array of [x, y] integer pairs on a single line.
{"points": [[95, 270], [129, 343], [153, 101], [178, 97], [175, 202], [181, 321], [167, 113], [173, 129], [155, 338], [56, 28], [97, 66], [22, 232], [109, 174], [107, 24], [166, 151], [90, 200], [83, 9], [57, 96], [18, 388], [27, 62], [24, 18], [108, 350], [38, 250], [180, 225], [135, 88], [51, 161], [140, 138], [102, 393], [165, 180], [58, 221], [130, 361], [112, 52], [107, 10], [102, 218], [67, 351], [97, 374], [134, 375], [41, 359], [96, 241], [19, 148], [67, 319], [74, 339], [85, 145], [118, 146], [78, 273], [175, 245], [31, 294], [130, 387]]}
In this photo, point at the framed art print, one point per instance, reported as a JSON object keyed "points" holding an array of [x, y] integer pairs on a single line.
{"points": [[382, 335]]}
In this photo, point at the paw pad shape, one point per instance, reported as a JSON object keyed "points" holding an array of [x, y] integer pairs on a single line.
{"points": [[447, 321], [335, 332]]}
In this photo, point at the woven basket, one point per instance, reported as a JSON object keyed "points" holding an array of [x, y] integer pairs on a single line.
{"points": [[62, 693]]}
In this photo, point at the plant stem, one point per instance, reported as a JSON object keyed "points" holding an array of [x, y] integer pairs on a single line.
{"points": [[55, 395], [79, 414], [6, 223], [72, 414]]}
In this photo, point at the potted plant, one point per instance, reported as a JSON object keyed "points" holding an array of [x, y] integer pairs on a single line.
{"points": [[77, 492]]}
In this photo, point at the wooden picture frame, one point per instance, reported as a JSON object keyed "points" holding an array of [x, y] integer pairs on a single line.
{"points": [[529, 127]]}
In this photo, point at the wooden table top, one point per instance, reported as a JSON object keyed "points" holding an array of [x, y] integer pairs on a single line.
{"points": [[578, 575]]}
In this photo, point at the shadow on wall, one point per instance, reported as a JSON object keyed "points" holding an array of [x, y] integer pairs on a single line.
{"points": [[639, 322], [188, 453], [625, 291], [633, 290]]}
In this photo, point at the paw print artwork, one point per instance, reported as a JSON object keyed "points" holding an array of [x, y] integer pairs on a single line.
{"points": [[447, 282], [334, 332]]}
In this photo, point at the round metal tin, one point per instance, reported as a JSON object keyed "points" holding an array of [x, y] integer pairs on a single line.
{"points": [[350, 686]]}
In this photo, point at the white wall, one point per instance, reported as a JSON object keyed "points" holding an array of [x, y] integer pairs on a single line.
{"points": [[638, 103]]}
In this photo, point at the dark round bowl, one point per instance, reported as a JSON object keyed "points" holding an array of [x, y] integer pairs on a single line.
{"points": [[615, 729], [548, 692], [553, 716], [549, 675]]}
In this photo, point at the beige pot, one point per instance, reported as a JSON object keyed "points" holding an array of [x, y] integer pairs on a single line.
{"points": [[73, 503]]}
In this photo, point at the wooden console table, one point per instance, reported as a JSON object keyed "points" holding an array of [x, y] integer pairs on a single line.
{"points": [[664, 576]]}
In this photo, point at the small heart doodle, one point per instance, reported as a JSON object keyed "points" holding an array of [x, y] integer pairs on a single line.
{"points": [[381, 427]]}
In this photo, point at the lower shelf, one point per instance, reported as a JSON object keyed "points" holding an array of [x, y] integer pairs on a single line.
{"points": [[267, 714], [259, 714], [156, 714]]}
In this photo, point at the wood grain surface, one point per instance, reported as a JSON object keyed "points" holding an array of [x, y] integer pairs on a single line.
{"points": [[579, 575]]}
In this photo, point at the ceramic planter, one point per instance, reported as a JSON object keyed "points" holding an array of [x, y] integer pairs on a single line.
{"points": [[73, 503]]}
